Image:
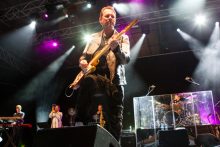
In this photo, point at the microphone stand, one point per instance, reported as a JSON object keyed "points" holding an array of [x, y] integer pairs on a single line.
{"points": [[190, 80], [217, 103], [150, 89]]}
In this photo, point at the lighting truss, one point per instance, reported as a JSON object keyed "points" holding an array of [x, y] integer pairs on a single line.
{"points": [[12, 60], [24, 10], [149, 18]]}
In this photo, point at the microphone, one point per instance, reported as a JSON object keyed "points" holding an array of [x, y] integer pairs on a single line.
{"points": [[189, 79], [150, 89], [152, 86]]}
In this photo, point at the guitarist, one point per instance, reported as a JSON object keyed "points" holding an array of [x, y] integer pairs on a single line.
{"points": [[104, 85]]}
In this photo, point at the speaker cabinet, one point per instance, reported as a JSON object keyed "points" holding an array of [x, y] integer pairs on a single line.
{"points": [[83, 136], [173, 138], [128, 139], [207, 140]]}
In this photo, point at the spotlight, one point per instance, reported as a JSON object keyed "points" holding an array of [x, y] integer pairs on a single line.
{"points": [[66, 15], [217, 23], [87, 38], [114, 4], [1, 139], [52, 7], [59, 6], [45, 15], [89, 5], [54, 44], [33, 24], [200, 20], [51, 44], [178, 30]]}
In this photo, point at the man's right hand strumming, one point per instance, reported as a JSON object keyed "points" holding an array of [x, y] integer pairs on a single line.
{"points": [[83, 64]]}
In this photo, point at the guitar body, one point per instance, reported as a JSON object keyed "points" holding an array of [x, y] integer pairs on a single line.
{"points": [[75, 84]]}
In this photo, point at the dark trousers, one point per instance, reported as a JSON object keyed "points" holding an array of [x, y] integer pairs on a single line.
{"points": [[95, 90]]}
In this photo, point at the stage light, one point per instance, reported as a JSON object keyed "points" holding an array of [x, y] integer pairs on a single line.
{"points": [[217, 23], [33, 24], [66, 15], [54, 44], [46, 15], [178, 30], [89, 5], [48, 46], [53, 7], [87, 38], [114, 5], [1, 139], [200, 20], [59, 6]]}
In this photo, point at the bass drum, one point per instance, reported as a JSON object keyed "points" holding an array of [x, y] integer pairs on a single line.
{"points": [[170, 117]]}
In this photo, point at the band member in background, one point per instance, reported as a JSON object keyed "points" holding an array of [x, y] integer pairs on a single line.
{"points": [[56, 117], [106, 82], [101, 116], [16, 132], [69, 119], [20, 114]]}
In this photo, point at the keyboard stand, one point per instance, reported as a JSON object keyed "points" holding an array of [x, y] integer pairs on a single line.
{"points": [[10, 138]]}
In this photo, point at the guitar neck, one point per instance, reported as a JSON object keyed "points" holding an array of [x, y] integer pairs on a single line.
{"points": [[107, 47], [99, 54]]}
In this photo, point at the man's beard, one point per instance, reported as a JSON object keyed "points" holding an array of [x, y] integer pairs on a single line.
{"points": [[108, 25]]}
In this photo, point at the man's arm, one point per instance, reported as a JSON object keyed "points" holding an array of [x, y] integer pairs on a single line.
{"points": [[122, 51], [23, 114]]}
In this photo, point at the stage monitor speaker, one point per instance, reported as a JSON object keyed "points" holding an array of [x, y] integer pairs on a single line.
{"points": [[207, 140], [82, 136], [173, 138], [128, 139]]}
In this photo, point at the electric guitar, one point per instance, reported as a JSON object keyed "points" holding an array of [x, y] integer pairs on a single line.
{"points": [[94, 62]]}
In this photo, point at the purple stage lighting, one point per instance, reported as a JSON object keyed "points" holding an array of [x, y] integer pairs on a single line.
{"points": [[54, 44], [45, 16], [48, 46]]}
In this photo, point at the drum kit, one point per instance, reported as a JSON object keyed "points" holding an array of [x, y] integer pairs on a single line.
{"points": [[179, 113]]}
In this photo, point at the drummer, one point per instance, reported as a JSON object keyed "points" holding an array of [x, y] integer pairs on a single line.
{"points": [[178, 104]]}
